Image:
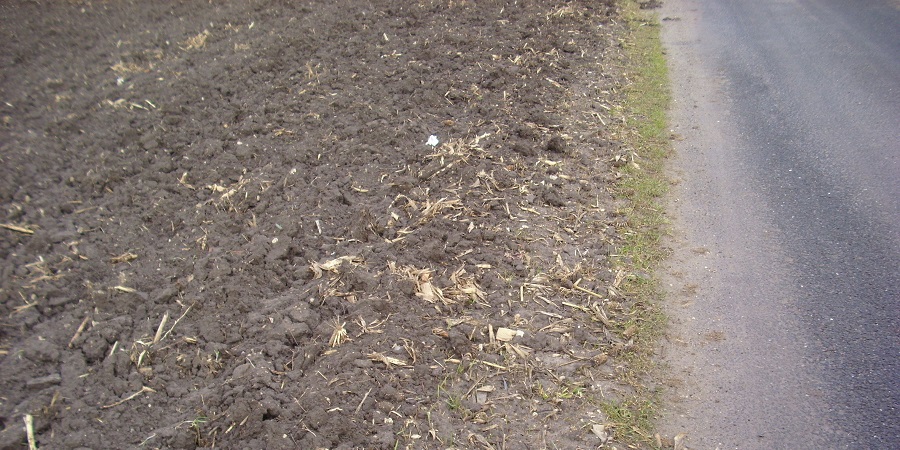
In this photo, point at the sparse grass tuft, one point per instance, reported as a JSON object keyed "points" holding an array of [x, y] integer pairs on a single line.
{"points": [[454, 402], [632, 418]]}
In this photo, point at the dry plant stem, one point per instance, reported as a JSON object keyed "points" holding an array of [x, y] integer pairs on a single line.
{"points": [[358, 407], [159, 329], [176, 321], [587, 291], [12, 227], [29, 432], [130, 397], [79, 331], [124, 257]]}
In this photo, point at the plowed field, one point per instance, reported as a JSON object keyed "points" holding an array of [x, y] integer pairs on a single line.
{"points": [[344, 224]]}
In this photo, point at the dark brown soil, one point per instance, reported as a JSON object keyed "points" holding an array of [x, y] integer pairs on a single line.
{"points": [[217, 189]]}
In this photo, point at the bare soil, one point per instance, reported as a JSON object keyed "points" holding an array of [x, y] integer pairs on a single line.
{"points": [[224, 227]]}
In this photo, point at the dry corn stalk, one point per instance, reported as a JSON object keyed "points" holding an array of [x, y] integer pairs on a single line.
{"points": [[520, 350], [226, 199], [430, 293], [459, 149], [425, 289], [338, 333], [431, 210], [388, 361], [464, 286], [197, 41]]}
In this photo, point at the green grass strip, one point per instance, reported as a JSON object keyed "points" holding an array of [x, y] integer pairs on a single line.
{"points": [[641, 187]]}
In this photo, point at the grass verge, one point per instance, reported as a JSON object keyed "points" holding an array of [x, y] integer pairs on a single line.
{"points": [[641, 186]]}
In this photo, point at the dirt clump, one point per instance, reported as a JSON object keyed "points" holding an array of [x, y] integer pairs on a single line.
{"points": [[226, 224]]}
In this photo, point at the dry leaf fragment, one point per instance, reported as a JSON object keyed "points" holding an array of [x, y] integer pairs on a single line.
{"points": [[600, 432], [679, 441], [331, 265], [183, 181], [437, 331], [507, 334], [454, 321], [430, 293]]}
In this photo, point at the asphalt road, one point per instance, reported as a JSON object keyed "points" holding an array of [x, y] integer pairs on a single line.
{"points": [[785, 279]]}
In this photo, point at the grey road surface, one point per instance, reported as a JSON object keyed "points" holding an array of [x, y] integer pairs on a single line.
{"points": [[784, 286]]}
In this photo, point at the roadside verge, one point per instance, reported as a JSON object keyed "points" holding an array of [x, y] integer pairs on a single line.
{"points": [[640, 187]]}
